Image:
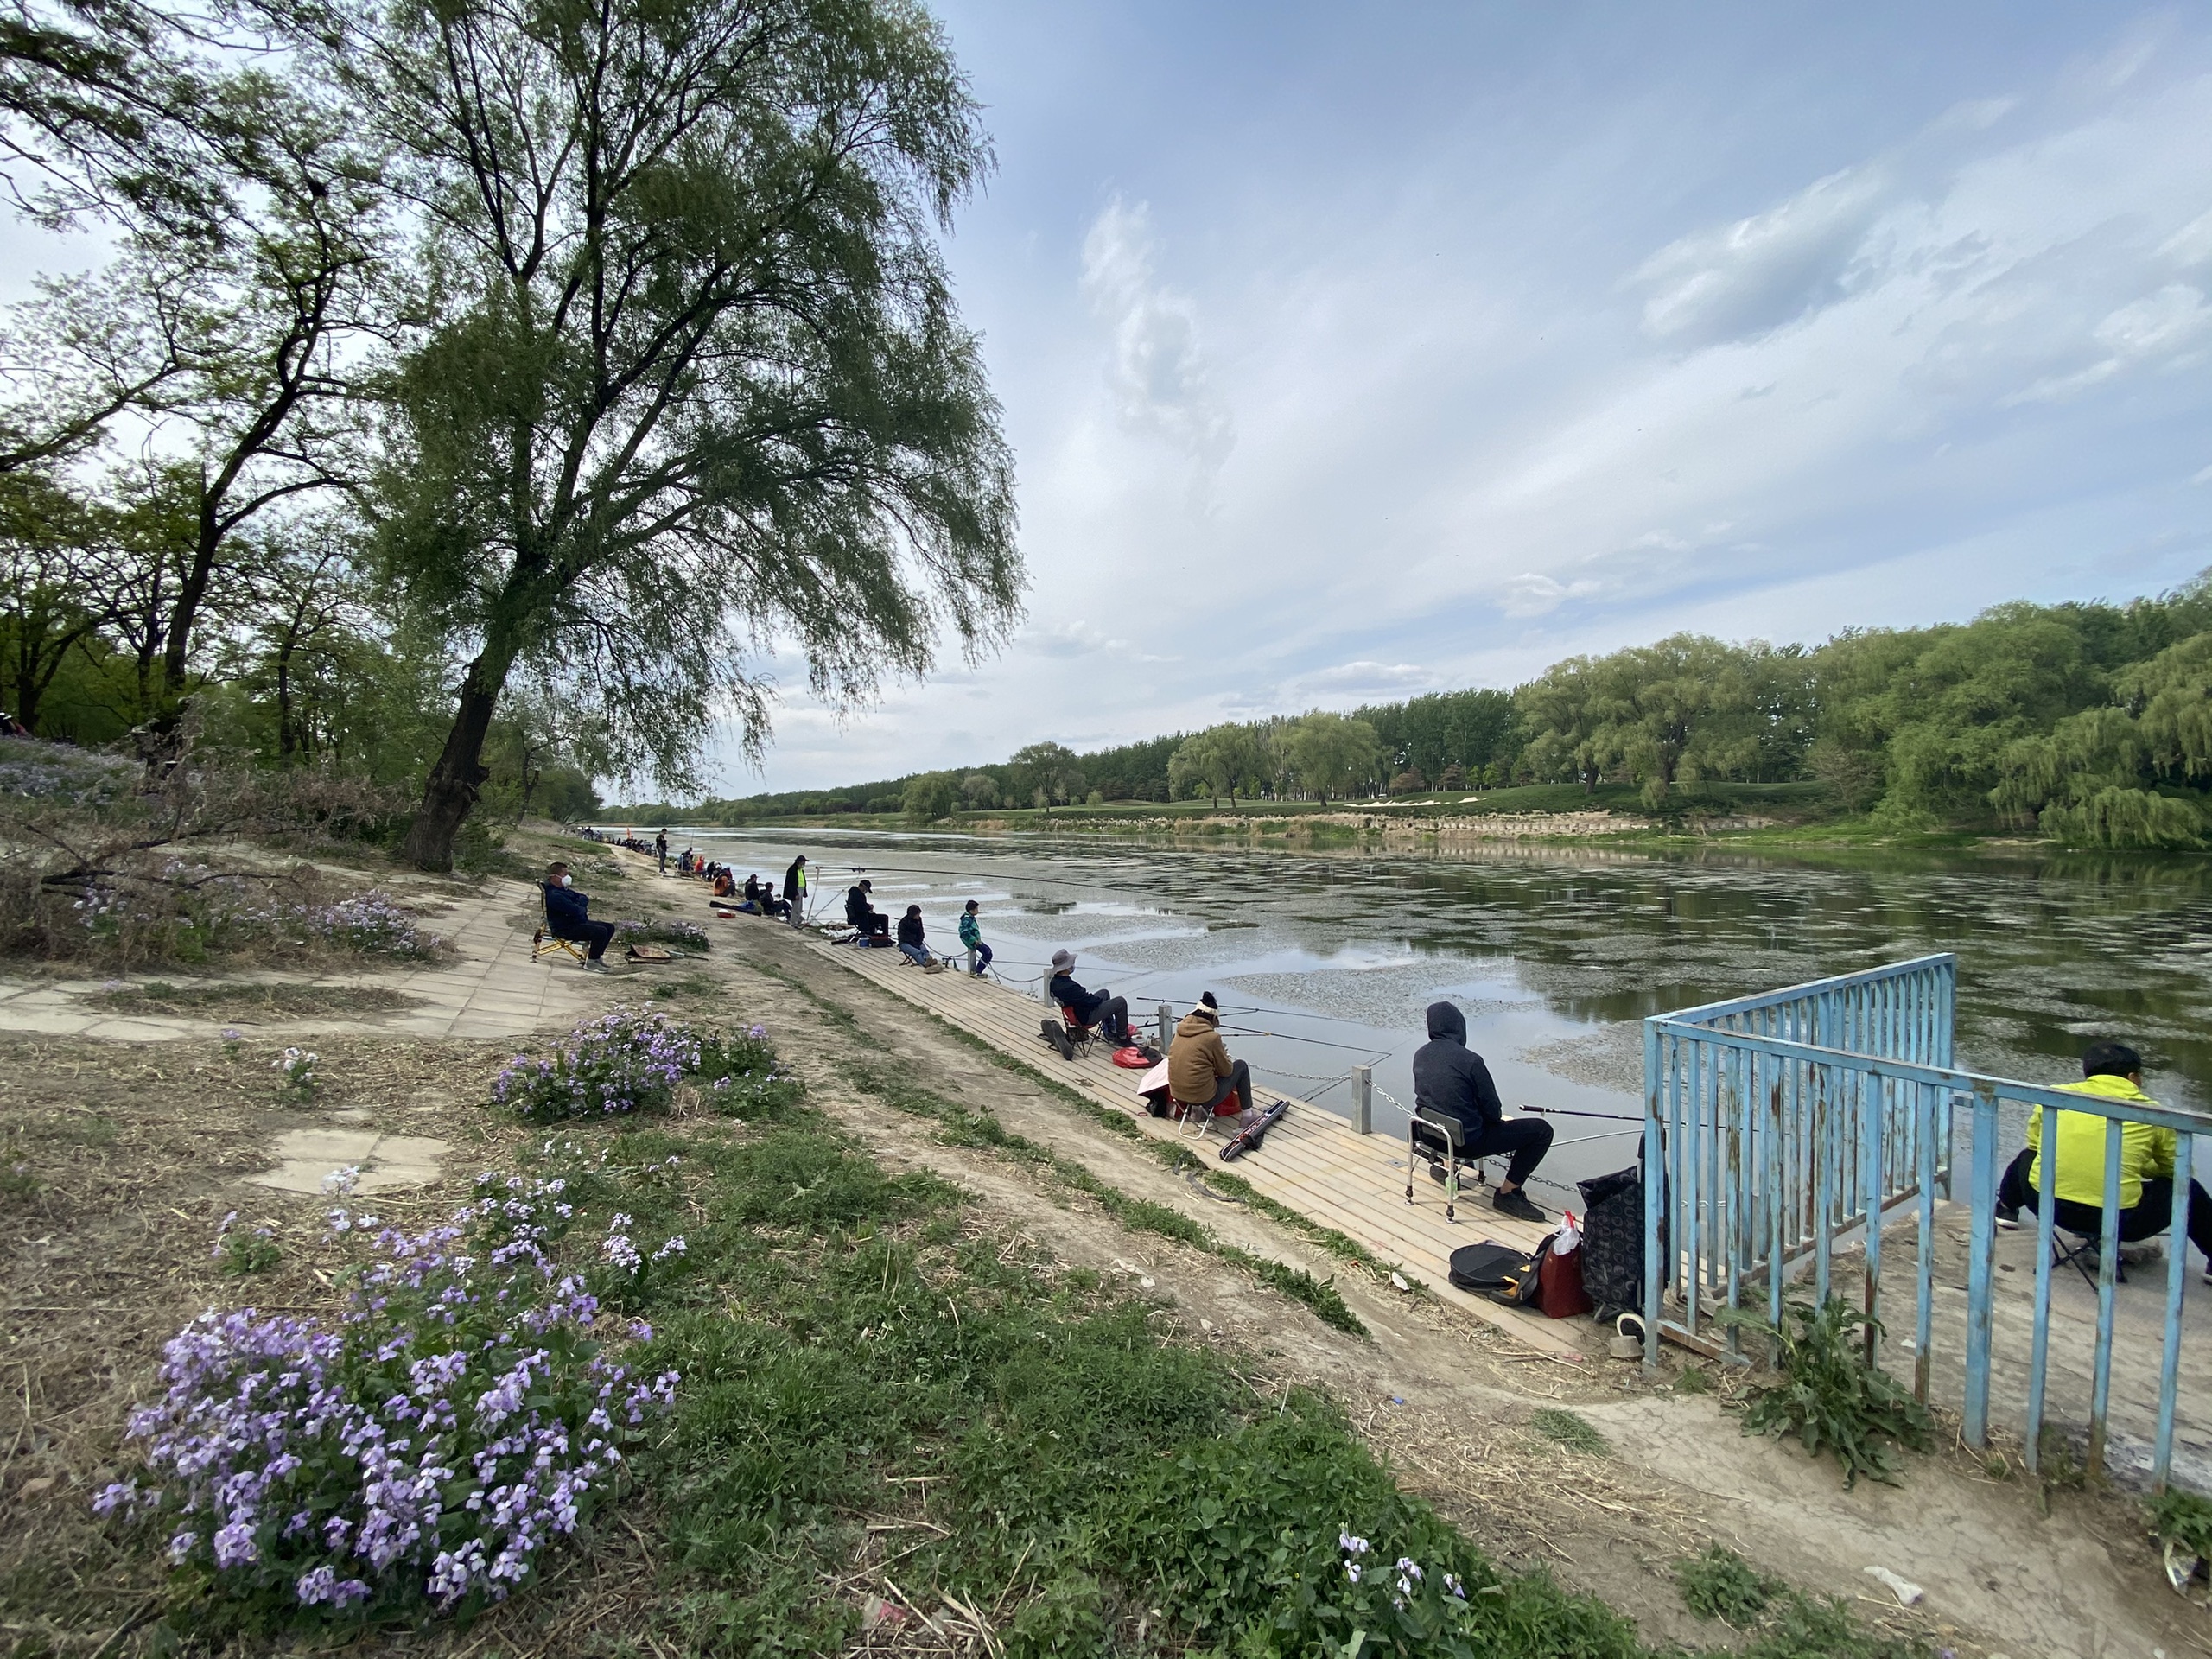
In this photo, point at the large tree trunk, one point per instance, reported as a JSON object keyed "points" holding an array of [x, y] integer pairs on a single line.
{"points": [[451, 788]]}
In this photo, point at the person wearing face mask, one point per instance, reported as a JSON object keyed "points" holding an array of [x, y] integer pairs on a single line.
{"points": [[567, 913]]}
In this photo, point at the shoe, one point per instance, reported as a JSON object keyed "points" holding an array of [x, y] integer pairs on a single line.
{"points": [[591, 967], [2008, 1218], [1517, 1205], [933, 968], [1057, 1035]]}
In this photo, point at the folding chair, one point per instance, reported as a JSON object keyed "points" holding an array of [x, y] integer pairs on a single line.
{"points": [[2080, 1252], [1078, 1034], [543, 942], [1440, 1140]]}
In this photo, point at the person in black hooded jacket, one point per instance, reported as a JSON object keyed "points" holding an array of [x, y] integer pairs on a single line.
{"points": [[1451, 1077]]}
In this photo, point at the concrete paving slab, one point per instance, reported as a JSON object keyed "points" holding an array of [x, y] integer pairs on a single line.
{"points": [[307, 1157]]}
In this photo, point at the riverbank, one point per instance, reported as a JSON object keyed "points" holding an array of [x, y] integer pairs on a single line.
{"points": [[124, 1156]]}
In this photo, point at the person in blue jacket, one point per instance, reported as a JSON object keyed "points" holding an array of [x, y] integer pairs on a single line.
{"points": [[568, 913]]}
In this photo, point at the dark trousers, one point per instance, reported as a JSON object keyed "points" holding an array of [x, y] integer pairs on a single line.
{"points": [[1112, 1017], [594, 934], [1522, 1141], [1237, 1083], [2150, 1215]]}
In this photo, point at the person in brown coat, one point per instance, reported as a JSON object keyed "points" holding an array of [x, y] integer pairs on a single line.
{"points": [[1199, 1071]]}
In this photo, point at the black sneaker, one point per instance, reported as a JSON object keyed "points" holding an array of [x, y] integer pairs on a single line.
{"points": [[1057, 1035], [1517, 1205], [2008, 1218]]}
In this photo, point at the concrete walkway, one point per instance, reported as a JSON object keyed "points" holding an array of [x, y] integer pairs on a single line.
{"points": [[489, 989]]}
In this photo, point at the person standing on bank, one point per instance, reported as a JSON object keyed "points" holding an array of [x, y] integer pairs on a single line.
{"points": [[971, 937], [795, 890], [1450, 1078], [660, 850], [2109, 1072]]}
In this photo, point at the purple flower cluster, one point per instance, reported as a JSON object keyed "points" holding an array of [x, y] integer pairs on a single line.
{"points": [[627, 1060], [465, 1410], [372, 924], [667, 930]]}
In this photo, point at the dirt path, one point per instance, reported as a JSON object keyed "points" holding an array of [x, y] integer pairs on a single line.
{"points": [[123, 1155]]}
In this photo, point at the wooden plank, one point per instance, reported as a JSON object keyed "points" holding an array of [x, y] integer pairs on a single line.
{"points": [[1313, 1163]]}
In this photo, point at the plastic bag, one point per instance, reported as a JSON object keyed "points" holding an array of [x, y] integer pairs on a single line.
{"points": [[1568, 1238]]}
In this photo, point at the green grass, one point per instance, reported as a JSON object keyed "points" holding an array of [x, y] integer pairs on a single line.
{"points": [[1722, 1584], [961, 1125], [1100, 1489], [1571, 1430]]}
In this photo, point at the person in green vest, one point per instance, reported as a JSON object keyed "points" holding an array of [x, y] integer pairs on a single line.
{"points": [[2109, 1072]]}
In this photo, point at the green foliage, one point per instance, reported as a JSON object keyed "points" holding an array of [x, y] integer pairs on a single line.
{"points": [[1326, 754], [2184, 1520], [242, 1250], [1828, 1395], [1722, 1584], [1575, 1433], [928, 798]]}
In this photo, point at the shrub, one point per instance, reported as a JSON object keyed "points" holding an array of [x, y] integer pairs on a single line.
{"points": [[627, 1060], [738, 1073], [1829, 1396], [467, 1409], [1722, 1584], [372, 925]]}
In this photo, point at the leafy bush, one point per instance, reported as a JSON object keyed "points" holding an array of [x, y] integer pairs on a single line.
{"points": [[372, 925], [1829, 1396], [738, 1073], [2184, 1520], [1722, 1584], [627, 1060], [469, 1408]]}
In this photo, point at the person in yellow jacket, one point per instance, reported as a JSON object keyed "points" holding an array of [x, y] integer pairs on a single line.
{"points": [[2109, 1072]]}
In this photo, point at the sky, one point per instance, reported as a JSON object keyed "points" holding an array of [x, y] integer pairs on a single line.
{"points": [[1350, 353]]}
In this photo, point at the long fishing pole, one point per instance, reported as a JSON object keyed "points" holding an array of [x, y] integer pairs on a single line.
{"points": [[1561, 1111]]}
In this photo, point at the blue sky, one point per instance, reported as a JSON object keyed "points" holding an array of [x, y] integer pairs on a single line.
{"points": [[1352, 351]]}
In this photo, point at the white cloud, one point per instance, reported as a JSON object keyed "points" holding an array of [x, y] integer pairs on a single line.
{"points": [[1765, 270], [1156, 371]]}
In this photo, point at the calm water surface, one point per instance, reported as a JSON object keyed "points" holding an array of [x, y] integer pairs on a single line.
{"points": [[1325, 959]]}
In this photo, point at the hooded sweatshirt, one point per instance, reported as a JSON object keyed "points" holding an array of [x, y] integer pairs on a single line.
{"points": [[1451, 1077], [1198, 1059]]}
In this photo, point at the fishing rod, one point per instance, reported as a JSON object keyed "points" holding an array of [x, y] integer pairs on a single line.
{"points": [[1561, 1111]]}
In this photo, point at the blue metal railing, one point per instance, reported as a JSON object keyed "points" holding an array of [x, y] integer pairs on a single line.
{"points": [[1778, 1127]]}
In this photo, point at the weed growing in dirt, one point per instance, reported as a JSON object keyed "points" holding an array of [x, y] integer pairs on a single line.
{"points": [[1575, 1433], [1828, 1396], [241, 1250], [738, 1073], [1786, 1623], [1693, 1380], [2184, 1520], [1722, 1584], [964, 1127], [299, 1080]]}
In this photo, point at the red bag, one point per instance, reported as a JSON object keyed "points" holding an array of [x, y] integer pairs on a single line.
{"points": [[1558, 1273]]}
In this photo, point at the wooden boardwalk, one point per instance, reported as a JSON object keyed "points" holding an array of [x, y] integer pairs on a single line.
{"points": [[1312, 1162]]}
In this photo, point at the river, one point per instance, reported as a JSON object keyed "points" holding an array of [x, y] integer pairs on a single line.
{"points": [[1324, 959]]}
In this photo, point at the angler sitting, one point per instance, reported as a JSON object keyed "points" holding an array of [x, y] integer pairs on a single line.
{"points": [[725, 883], [1108, 1013], [911, 943], [1450, 1078], [860, 907], [2109, 1072], [1201, 1075], [568, 914]]}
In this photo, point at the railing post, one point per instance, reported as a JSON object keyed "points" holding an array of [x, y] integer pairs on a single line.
{"points": [[1363, 1099], [1654, 1181], [1983, 1225], [1166, 1027]]}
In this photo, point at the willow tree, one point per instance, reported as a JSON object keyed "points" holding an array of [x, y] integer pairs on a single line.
{"points": [[698, 387]]}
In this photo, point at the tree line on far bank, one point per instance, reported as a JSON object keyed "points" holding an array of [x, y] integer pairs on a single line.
{"points": [[469, 389], [2091, 721]]}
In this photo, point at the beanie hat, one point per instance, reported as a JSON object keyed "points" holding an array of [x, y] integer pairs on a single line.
{"points": [[1207, 997], [1063, 960]]}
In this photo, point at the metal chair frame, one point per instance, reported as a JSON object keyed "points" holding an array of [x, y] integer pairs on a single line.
{"points": [[544, 942], [1440, 1140]]}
